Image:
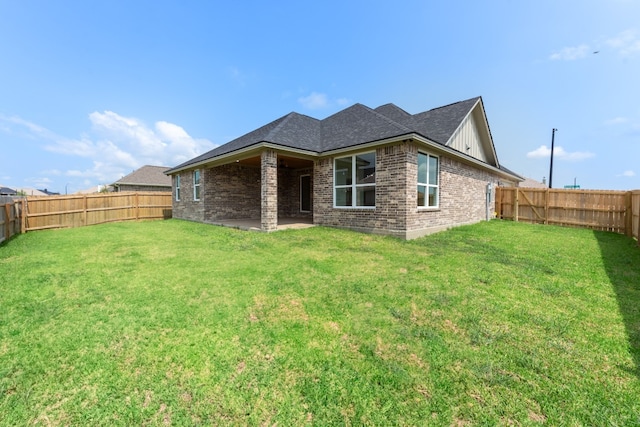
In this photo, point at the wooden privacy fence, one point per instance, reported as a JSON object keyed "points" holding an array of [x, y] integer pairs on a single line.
{"points": [[9, 219], [635, 214], [41, 213], [616, 211]]}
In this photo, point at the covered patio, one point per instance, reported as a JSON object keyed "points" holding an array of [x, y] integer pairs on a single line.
{"points": [[263, 190]]}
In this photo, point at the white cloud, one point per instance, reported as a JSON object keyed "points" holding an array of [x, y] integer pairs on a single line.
{"points": [[318, 101], [129, 131], [314, 101], [627, 43], [617, 121], [559, 153], [542, 151], [628, 173], [116, 145], [570, 53]]}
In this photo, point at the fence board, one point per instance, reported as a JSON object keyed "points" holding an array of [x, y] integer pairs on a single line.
{"points": [[9, 219], [596, 209], [90, 209], [635, 214]]}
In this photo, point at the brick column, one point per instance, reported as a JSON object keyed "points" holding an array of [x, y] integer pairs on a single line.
{"points": [[269, 194]]}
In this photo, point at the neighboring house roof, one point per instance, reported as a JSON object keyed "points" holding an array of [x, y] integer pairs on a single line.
{"points": [[532, 183], [96, 189], [358, 125], [30, 191], [152, 176], [6, 191]]}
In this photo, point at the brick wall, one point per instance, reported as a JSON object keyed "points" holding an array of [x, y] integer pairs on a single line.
{"points": [[462, 196], [389, 215], [232, 192], [187, 208]]}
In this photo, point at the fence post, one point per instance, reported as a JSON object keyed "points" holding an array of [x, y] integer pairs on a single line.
{"points": [[632, 212], [84, 210], [137, 205], [23, 216], [7, 220], [516, 201], [628, 214], [546, 206]]}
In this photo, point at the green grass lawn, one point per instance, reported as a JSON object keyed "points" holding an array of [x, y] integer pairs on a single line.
{"points": [[179, 323]]}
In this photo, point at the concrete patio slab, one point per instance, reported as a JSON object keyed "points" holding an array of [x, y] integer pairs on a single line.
{"points": [[254, 224]]}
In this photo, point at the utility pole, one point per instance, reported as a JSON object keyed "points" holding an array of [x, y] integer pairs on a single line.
{"points": [[553, 136]]}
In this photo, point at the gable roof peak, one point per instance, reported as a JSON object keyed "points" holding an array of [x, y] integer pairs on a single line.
{"points": [[471, 101]]}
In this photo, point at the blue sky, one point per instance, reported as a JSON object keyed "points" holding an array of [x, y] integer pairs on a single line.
{"points": [[91, 90]]}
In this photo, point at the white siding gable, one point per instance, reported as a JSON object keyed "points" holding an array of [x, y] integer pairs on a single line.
{"points": [[466, 139]]}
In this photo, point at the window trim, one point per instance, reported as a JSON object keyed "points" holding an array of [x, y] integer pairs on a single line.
{"points": [[354, 186], [427, 185], [197, 185], [177, 188]]}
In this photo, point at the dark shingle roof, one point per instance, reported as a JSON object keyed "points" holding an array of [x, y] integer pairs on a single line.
{"points": [[147, 175], [357, 125], [6, 191], [440, 123], [350, 127]]}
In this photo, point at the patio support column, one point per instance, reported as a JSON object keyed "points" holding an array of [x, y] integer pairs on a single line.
{"points": [[269, 183]]}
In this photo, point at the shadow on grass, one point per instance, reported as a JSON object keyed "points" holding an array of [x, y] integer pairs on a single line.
{"points": [[621, 258]]}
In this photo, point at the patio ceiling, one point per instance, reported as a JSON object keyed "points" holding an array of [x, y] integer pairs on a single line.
{"points": [[283, 161]]}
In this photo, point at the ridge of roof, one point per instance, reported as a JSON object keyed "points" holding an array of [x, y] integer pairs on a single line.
{"points": [[357, 124], [474, 99], [393, 112]]}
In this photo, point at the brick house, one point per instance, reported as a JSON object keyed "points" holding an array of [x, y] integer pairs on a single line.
{"points": [[146, 178], [381, 170]]}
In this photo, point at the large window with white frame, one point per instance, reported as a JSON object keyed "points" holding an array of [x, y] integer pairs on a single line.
{"points": [[354, 181], [428, 187], [196, 184], [177, 188]]}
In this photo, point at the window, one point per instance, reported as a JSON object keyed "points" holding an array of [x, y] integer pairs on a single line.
{"points": [[354, 181], [177, 188], [428, 166], [196, 185]]}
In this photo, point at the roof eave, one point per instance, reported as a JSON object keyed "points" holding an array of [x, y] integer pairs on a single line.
{"points": [[140, 183], [465, 158], [241, 154], [433, 145]]}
